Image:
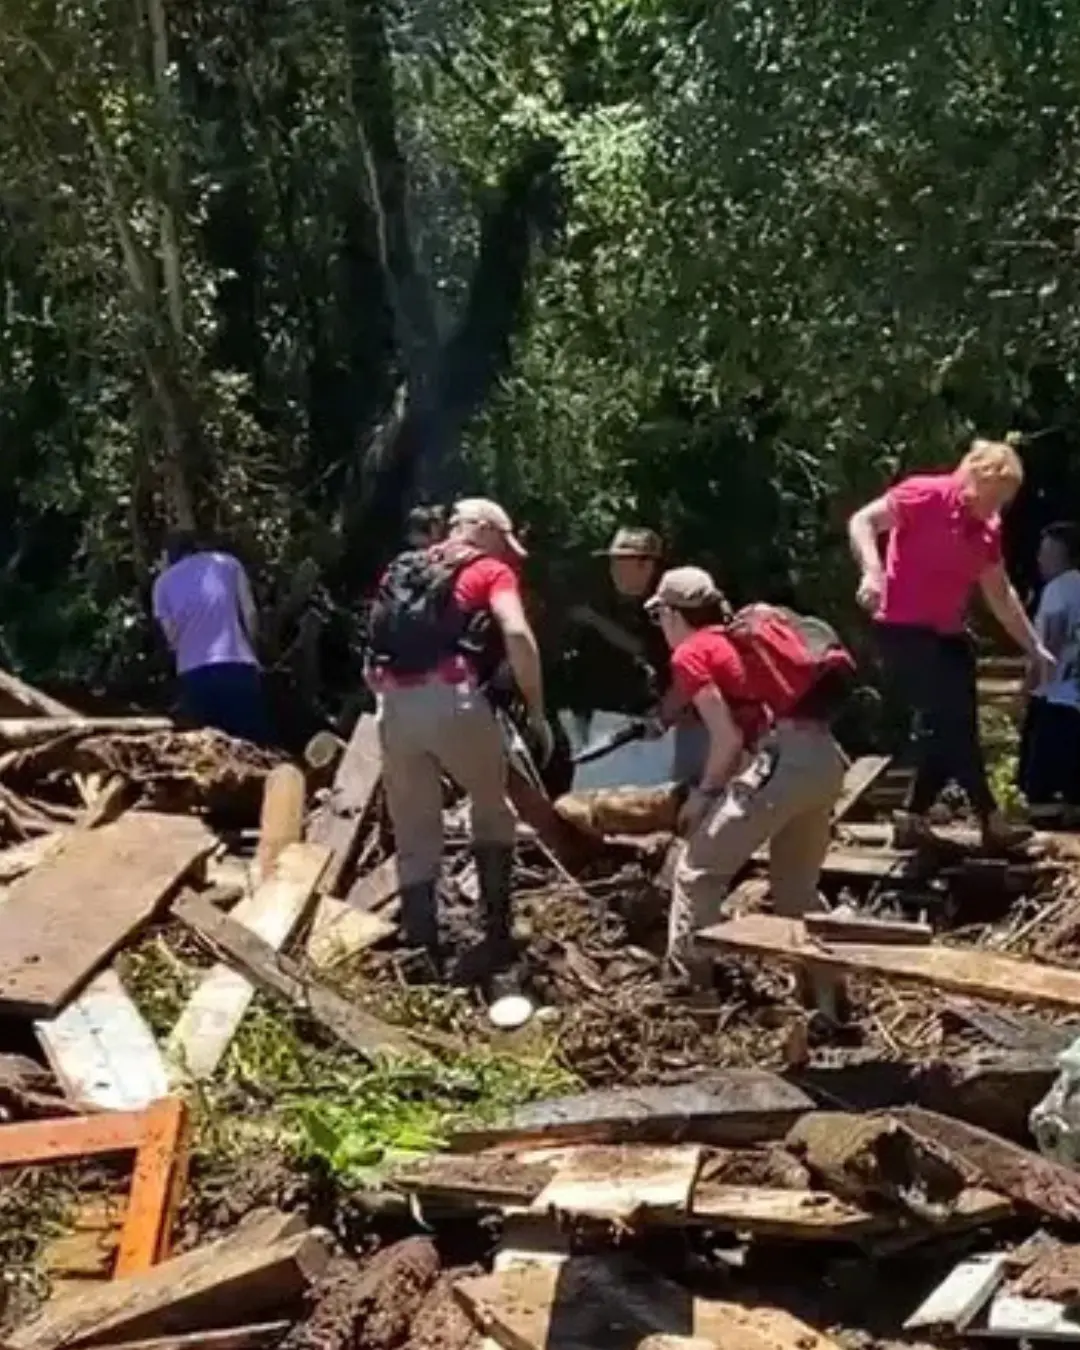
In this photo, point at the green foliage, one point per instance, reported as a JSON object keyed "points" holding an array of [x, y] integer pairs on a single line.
{"points": [[795, 248]]}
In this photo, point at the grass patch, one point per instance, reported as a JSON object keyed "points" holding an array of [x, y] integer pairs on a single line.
{"points": [[1000, 734]]}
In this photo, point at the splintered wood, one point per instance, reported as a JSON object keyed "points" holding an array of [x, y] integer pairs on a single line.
{"points": [[63, 921], [977, 973]]}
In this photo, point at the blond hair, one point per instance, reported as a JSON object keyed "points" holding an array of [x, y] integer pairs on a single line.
{"points": [[992, 462]]}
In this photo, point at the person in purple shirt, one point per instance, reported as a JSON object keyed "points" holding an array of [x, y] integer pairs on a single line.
{"points": [[204, 606]]}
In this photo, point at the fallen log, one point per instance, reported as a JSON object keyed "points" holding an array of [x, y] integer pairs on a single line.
{"points": [[360, 1031], [20, 731], [978, 973]]}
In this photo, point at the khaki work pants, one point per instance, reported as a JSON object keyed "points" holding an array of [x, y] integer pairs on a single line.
{"points": [[784, 796], [426, 730]]}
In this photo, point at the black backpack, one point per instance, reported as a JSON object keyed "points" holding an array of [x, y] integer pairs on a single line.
{"points": [[414, 624]]}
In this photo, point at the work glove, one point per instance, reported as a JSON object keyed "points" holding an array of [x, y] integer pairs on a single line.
{"points": [[541, 739]]}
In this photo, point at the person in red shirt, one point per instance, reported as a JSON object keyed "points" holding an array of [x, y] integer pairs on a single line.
{"points": [[445, 619], [943, 534], [767, 779]]}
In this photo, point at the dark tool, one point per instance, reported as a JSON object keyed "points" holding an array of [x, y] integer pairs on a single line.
{"points": [[634, 731]]}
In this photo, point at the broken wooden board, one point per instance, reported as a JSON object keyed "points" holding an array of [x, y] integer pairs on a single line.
{"points": [[615, 1302], [278, 975], [102, 1051], [768, 1212], [849, 926], [254, 1337], [859, 778], [730, 1106], [213, 1014], [620, 1182], [281, 818], [476, 1181], [377, 890], [977, 973], [64, 920], [20, 731], [1028, 1319], [339, 932], [19, 859], [961, 1295], [340, 822], [240, 1277], [1025, 1177]]}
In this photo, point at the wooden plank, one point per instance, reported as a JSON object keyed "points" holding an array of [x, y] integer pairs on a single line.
{"points": [[25, 697], [766, 1211], [235, 1279], [22, 731], [102, 1051], [340, 822], [339, 932], [212, 1016], [727, 1107], [44, 1141], [64, 920], [848, 926], [378, 890], [254, 1337], [278, 975], [1029, 1319], [961, 1295], [281, 820], [157, 1181], [484, 1180], [570, 845], [620, 1182], [977, 973], [858, 781], [1025, 1177]]}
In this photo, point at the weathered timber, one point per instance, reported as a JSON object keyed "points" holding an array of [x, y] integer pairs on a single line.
{"points": [[341, 820]]}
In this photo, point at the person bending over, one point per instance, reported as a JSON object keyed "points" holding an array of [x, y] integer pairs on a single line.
{"points": [[204, 606], [943, 533], [1050, 742], [772, 772]]}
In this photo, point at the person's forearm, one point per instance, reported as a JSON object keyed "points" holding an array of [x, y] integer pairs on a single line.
{"points": [[722, 760], [524, 657], [1012, 616], [864, 545]]}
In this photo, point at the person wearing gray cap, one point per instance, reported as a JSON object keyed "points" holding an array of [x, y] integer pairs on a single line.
{"points": [[765, 682]]}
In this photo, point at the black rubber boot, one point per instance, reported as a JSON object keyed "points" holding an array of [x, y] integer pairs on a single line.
{"points": [[495, 873], [420, 923]]}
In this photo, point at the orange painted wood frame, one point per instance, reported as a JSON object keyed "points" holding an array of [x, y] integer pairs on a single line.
{"points": [[159, 1137]]}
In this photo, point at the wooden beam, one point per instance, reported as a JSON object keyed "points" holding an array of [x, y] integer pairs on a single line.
{"points": [[24, 696], [239, 1277], [281, 820], [214, 1012], [21, 731], [65, 919], [156, 1187], [858, 781], [254, 1337], [621, 1183], [278, 975], [963, 971], [340, 822], [849, 926]]}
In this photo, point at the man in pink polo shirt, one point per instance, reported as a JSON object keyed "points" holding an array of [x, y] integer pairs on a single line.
{"points": [[944, 541]]}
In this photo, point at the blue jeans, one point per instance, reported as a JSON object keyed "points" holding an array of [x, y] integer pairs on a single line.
{"points": [[227, 696]]}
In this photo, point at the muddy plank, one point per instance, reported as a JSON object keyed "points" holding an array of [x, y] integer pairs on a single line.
{"points": [[614, 1303], [997, 1093], [1025, 1177], [254, 1337], [285, 978], [377, 890], [620, 1182], [858, 781], [977, 973], [236, 1278], [1012, 1318], [213, 1014], [768, 1211], [571, 845], [102, 1051], [479, 1180], [1013, 1030], [341, 821], [339, 931], [849, 926], [730, 1106], [65, 919]]}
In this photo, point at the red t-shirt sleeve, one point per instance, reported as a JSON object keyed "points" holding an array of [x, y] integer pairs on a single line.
{"points": [[481, 581], [704, 659]]}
